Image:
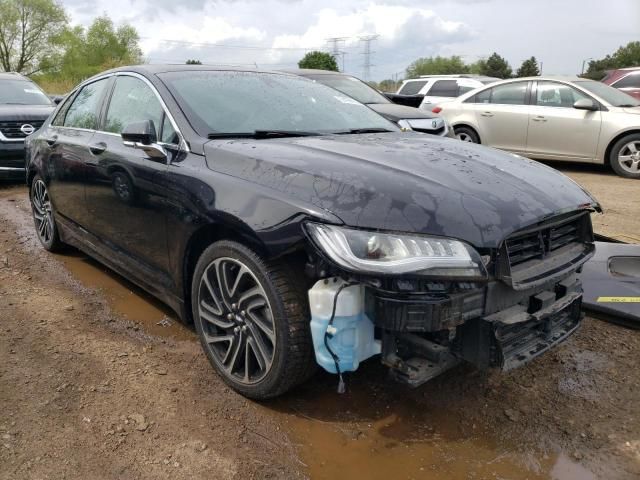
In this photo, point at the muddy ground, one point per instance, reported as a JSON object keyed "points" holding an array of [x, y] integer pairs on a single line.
{"points": [[98, 380]]}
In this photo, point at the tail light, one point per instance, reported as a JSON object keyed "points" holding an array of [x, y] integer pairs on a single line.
{"points": [[436, 109]]}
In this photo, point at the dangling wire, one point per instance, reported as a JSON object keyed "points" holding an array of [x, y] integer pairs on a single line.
{"points": [[327, 335]]}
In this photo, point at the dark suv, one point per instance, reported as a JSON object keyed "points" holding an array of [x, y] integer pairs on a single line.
{"points": [[297, 228], [23, 110]]}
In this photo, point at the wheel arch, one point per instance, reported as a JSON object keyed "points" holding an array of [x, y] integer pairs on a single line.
{"points": [[469, 126], [614, 140], [210, 233]]}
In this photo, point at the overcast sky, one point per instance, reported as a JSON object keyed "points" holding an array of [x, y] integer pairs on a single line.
{"points": [[275, 33]]}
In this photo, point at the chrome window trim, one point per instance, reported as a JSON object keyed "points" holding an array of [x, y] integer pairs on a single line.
{"points": [[10, 140], [182, 145]]}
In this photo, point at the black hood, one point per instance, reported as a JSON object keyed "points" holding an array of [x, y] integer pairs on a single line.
{"points": [[406, 182], [25, 112], [394, 112]]}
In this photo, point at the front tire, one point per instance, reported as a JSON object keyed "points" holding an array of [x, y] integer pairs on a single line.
{"points": [[466, 134], [43, 218], [252, 319], [625, 156]]}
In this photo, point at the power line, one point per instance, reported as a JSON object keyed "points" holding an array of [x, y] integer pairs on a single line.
{"points": [[366, 67], [334, 47], [224, 45]]}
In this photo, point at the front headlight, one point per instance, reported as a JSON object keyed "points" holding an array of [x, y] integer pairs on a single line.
{"points": [[372, 252]]}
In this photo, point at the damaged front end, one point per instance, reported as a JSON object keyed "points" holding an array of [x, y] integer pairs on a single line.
{"points": [[426, 303]]}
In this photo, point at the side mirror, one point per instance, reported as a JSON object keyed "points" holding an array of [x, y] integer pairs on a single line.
{"points": [[585, 104], [140, 132], [142, 135]]}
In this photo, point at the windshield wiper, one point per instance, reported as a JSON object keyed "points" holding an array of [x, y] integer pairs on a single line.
{"points": [[363, 130], [260, 134], [627, 105]]}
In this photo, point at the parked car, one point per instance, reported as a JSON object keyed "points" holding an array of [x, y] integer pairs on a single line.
{"points": [[626, 80], [438, 89], [551, 118], [296, 228], [406, 117], [23, 109]]}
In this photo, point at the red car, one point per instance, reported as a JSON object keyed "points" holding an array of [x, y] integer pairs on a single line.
{"points": [[625, 79]]}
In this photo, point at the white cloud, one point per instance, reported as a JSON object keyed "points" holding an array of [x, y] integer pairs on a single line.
{"points": [[276, 33]]}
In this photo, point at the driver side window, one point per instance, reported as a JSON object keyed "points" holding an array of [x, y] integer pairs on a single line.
{"points": [[552, 94], [133, 101]]}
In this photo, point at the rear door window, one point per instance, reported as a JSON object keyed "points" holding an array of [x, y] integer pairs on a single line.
{"points": [[630, 81], [481, 97], [412, 88], [509, 94], [444, 88], [84, 111]]}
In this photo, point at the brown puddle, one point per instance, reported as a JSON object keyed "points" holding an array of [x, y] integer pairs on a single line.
{"points": [[125, 298], [352, 436]]}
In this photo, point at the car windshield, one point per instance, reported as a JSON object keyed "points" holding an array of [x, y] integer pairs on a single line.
{"points": [[351, 86], [244, 102], [612, 96], [21, 92]]}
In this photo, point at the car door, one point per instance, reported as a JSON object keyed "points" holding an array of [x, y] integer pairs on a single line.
{"points": [[123, 191], [556, 129], [67, 141], [502, 115]]}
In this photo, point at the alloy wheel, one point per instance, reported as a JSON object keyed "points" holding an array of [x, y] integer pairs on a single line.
{"points": [[42, 212], [237, 321], [629, 157], [464, 137]]}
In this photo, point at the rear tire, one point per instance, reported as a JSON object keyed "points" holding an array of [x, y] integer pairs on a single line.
{"points": [[466, 134], [43, 216], [252, 318], [625, 156]]}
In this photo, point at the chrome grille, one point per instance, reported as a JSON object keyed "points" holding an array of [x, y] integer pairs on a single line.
{"points": [[11, 129]]}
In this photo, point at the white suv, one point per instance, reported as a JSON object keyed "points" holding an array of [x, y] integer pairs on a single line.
{"points": [[442, 88]]}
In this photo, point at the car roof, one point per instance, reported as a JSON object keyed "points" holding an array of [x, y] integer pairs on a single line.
{"points": [[11, 76], [312, 71], [156, 68]]}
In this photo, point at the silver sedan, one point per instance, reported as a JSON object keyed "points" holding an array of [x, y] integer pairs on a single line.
{"points": [[548, 118]]}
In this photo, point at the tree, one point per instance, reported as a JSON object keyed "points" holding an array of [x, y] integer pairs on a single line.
{"points": [[436, 66], [29, 30], [478, 67], [625, 56], [388, 85], [496, 66], [101, 46], [529, 68], [193, 62], [319, 61]]}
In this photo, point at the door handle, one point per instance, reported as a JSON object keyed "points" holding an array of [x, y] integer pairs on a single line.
{"points": [[486, 114], [51, 141], [98, 148], [539, 118]]}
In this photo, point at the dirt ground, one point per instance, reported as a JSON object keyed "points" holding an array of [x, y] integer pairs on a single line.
{"points": [[98, 380]]}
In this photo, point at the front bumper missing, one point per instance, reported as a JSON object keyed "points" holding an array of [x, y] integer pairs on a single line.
{"points": [[486, 343], [506, 339]]}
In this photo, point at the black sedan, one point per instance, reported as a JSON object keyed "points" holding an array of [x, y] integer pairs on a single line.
{"points": [[406, 117], [297, 227]]}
